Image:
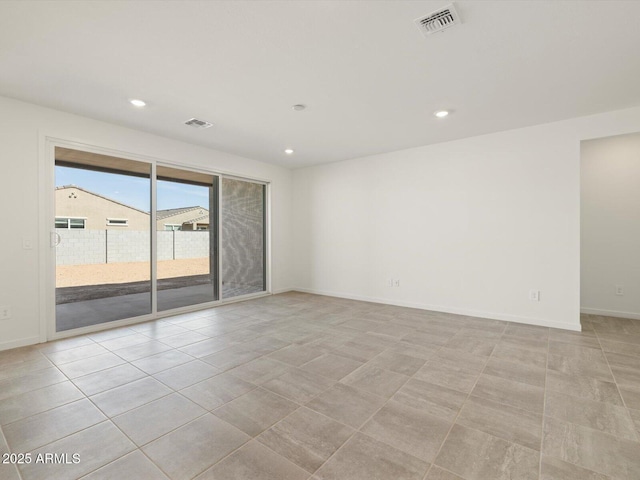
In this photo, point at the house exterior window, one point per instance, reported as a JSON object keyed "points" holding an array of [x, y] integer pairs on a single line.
{"points": [[117, 222], [172, 227], [70, 222]]}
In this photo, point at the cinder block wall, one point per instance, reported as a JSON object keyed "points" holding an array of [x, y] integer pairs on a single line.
{"points": [[191, 244], [81, 247], [87, 247], [128, 246], [165, 246]]}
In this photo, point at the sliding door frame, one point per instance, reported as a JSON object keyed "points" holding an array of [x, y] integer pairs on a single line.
{"points": [[214, 247], [47, 256]]}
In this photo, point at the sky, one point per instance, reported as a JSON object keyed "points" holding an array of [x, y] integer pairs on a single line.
{"points": [[133, 191]]}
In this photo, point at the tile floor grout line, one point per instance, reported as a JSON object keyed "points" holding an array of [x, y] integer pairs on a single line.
{"points": [[588, 428], [137, 449], [544, 406], [354, 429], [228, 454], [48, 409], [47, 354], [110, 419], [18, 378], [105, 420], [96, 371], [88, 397], [109, 368], [453, 423], [279, 454], [72, 433], [207, 412], [283, 397], [41, 346], [6, 442], [615, 382], [358, 429], [305, 405], [20, 375], [256, 387], [214, 376], [137, 406]]}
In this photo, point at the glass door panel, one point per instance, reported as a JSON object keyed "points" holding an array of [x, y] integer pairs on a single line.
{"points": [[186, 228], [242, 237], [102, 223]]}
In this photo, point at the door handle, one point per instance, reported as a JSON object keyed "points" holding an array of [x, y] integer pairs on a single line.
{"points": [[55, 239]]}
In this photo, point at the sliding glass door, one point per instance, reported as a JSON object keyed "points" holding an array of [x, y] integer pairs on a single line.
{"points": [[134, 238], [102, 231], [187, 237], [243, 237]]}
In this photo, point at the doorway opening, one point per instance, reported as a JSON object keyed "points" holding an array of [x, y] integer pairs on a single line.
{"points": [[610, 228]]}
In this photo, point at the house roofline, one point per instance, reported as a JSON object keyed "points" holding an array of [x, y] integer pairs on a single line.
{"points": [[101, 196], [180, 212]]}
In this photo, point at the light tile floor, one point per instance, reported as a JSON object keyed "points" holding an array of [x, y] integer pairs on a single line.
{"points": [[297, 386]]}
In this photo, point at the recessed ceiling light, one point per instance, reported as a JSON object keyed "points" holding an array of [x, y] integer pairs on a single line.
{"points": [[137, 103], [441, 113], [299, 107], [288, 151]]}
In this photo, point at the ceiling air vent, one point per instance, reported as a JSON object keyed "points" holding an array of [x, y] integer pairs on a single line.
{"points": [[439, 20], [195, 123]]}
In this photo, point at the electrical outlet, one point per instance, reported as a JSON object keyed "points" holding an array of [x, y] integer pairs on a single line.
{"points": [[396, 282], [619, 290], [389, 282], [534, 295], [5, 313], [27, 244]]}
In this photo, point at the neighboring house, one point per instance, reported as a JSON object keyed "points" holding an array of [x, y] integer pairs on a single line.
{"points": [[187, 218], [83, 209], [79, 208]]}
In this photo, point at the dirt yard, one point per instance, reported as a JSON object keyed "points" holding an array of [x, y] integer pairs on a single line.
{"points": [[79, 275]]}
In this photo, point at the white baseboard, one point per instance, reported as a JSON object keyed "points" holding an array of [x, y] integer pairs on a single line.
{"points": [[21, 342], [283, 290], [446, 309], [610, 313]]}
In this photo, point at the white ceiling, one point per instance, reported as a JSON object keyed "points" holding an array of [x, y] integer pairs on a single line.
{"points": [[371, 81]]}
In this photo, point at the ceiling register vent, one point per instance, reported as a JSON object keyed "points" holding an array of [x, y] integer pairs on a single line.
{"points": [[439, 20], [195, 123]]}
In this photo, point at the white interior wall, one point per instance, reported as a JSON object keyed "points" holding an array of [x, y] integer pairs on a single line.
{"points": [[22, 129], [468, 226], [610, 226]]}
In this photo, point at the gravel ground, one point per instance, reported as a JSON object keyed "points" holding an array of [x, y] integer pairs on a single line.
{"points": [[118, 279], [109, 273]]}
